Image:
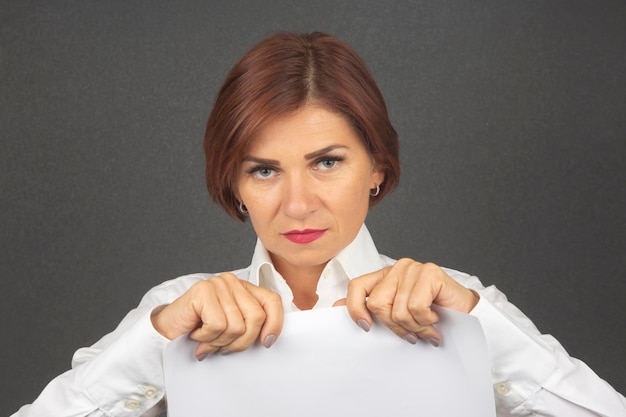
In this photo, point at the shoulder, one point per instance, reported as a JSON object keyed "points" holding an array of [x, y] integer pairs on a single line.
{"points": [[170, 290], [463, 278]]}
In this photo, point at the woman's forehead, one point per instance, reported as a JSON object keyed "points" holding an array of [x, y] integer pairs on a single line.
{"points": [[311, 127]]}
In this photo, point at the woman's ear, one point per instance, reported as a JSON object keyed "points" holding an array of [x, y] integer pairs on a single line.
{"points": [[378, 176], [235, 192]]}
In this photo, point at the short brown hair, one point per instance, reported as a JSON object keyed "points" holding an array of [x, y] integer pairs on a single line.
{"points": [[279, 75]]}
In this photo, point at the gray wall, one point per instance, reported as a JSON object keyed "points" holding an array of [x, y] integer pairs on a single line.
{"points": [[511, 118]]}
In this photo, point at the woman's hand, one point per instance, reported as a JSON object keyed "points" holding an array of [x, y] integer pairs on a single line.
{"points": [[222, 313], [400, 296]]}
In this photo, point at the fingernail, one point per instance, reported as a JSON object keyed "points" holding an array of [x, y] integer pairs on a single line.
{"points": [[363, 325], [269, 341], [225, 352], [201, 357], [434, 341], [410, 337]]}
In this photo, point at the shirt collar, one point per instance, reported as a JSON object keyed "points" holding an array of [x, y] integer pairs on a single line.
{"points": [[361, 256], [358, 258]]}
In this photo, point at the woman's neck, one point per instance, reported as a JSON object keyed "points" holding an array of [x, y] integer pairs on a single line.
{"points": [[302, 280]]}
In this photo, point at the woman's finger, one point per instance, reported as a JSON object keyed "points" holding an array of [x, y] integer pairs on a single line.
{"points": [[272, 305], [262, 315], [356, 299], [221, 316], [390, 295]]}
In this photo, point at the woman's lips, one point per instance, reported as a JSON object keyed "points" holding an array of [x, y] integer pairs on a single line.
{"points": [[304, 236]]}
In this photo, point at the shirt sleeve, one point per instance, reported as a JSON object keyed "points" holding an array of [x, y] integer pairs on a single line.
{"points": [[533, 374], [125, 378], [121, 374]]}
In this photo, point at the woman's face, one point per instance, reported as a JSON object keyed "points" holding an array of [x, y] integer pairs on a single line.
{"points": [[305, 181]]}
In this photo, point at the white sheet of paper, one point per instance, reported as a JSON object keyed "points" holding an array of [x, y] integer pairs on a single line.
{"points": [[324, 365]]}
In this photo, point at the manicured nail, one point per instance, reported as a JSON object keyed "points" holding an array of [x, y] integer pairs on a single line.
{"points": [[411, 338], [434, 341], [225, 352], [363, 325], [269, 341], [201, 357]]}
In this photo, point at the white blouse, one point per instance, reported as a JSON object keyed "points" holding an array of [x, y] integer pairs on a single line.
{"points": [[122, 373]]}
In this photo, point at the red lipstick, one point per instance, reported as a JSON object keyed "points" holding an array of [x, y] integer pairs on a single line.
{"points": [[304, 236]]}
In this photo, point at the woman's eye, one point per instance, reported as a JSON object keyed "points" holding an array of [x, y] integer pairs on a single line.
{"points": [[328, 163], [264, 172]]}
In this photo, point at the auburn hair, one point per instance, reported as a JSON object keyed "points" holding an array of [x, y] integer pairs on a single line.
{"points": [[279, 75]]}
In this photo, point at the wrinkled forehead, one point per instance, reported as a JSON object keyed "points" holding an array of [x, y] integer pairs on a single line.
{"points": [[303, 131], [311, 123]]}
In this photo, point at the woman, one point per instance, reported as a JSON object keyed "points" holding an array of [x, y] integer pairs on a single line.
{"points": [[300, 142]]}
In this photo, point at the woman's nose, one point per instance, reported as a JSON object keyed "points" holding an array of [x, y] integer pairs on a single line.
{"points": [[299, 197]]}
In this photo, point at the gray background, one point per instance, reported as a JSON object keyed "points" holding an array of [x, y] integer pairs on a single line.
{"points": [[511, 119]]}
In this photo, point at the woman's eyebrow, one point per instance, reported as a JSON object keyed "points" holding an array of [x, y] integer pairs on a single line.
{"points": [[323, 151], [261, 160], [308, 156]]}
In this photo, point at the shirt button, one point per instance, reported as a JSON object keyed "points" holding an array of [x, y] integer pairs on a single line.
{"points": [[149, 392], [503, 388], [132, 404]]}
